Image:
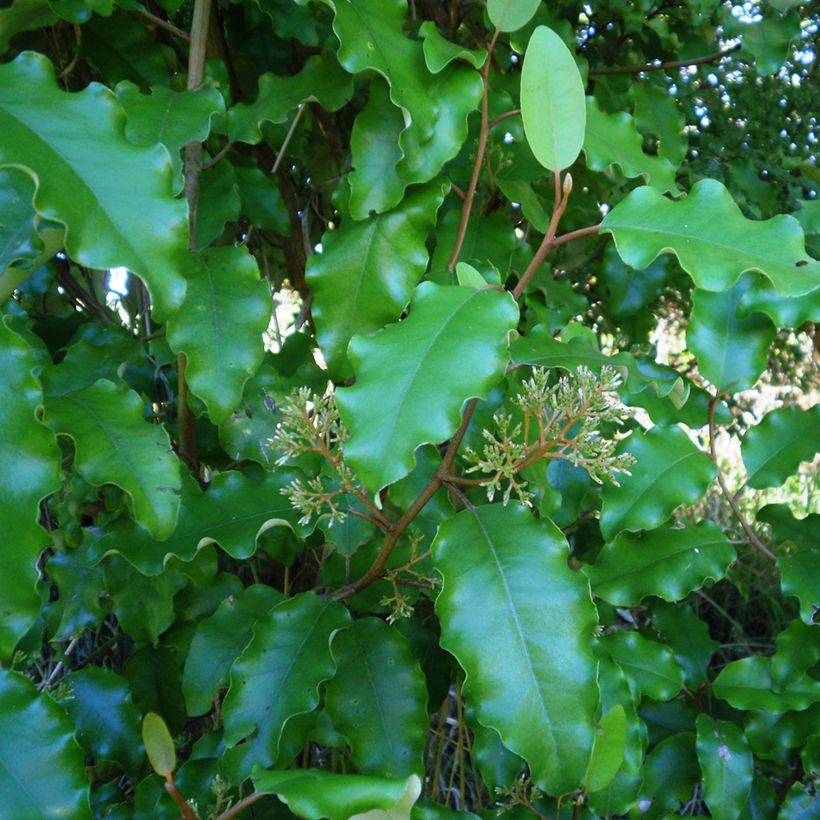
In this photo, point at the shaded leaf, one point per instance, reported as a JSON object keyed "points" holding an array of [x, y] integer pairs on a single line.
{"points": [[726, 762], [670, 773], [23, 15], [797, 651], [688, 637], [747, 684], [79, 587], [657, 113], [260, 199]]}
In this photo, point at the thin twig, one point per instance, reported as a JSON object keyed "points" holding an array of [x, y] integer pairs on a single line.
{"points": [[218, 156], [187, 812], [505, 116], [638, 69], [288, 137], [234, 810], [163, 24]]}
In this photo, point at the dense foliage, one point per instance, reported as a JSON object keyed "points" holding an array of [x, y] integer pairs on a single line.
{"points": [[373, 376]]}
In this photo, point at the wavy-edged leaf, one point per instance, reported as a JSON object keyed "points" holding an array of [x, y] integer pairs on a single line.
{"points": [[367, 271], [670, 773], [440, 52], [797, 651], [114, 198], [766, 39], [511, 15], [407, 391], [800, 803], [23, 15], [669, 470], [714, 243], [613, 139], [649, 666], [784, 311], [726, 762], [377, 699], [115, 445], [747, 684], [731, 350], [172, 118], [666, 562], [19, 244], [277, 676], [42, 768], [233, 512], [688, 637], [773, 449], [520, 623], [219, 640], [800, 576], [79, 586], [219, 326], [314, 794], [552, 101], [657, 113], [321, 80]]}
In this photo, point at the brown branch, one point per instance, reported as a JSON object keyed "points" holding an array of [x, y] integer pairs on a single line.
{"points": [[747, 528], [638, 69], [505, 116], [234, 810], [163, 24], [187, 812]]}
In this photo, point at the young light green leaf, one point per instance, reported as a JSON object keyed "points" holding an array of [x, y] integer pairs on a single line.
{"points": [[616, 691], [608, 750], [726, 762], [747, 684], [277, 676], [220, 325], [773, 449], [315, 794], [667, 562], [669, 470], [731, 350], [377, 699], [613, 139], [29, 471], [114, 198], [511, 15], [159, 745], [440, 52], [367, 271], [649, 666], [114, 445], [552, 101], [407, 391], [714, 243], [520, 623], [42, 767]]}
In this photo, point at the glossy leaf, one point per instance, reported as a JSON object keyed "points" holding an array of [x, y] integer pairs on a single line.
{"points": [[407, 392], [218, 642], [29, 471], [219, 326], [377, 699], [667, 562], [233, 512], [726, 762], [314, 794], [159, 745], [669, 470], [552, 101], [367, 272], [797, 651], [670, 773], [616, 691], [613, 139], [19, 243], [608, 750], [731, 350], [800, 804], [747, 684], [511, 15], [277, 676], [117, 212], [714, 243], [42, 772], [688, 637], [649, 665], [527, 647], [114, 445], [23, 15], [440, 52], [773, 449], [800, 576]]}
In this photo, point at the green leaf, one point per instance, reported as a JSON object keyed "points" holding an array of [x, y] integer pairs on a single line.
{"points": [[511, 15], [261, 200], [773, 449], [767, 40], [726, 762], [220, 325], [79, 586], [277, 676], [800, 804], [667, 562], [608, 750], [233, 512], [23, 15], [367, 271], [649, 665], [108, 723], [440, 52], [159, 745], [321, 80], [747, 684], [172, 118], [218, 642], [114, 445], [669, 470], [552, 101], [656, 112], [714, 243], [113, 197], [42, 771], [520, 623], [670, 773], [19, 244], [314, 794], [783, 311], [407, 392], [613, 139], [29, 471], [688, 637], [377, 699], [218, 203], [797, 651], [731, 350], [800, 576], [616, 691]]}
